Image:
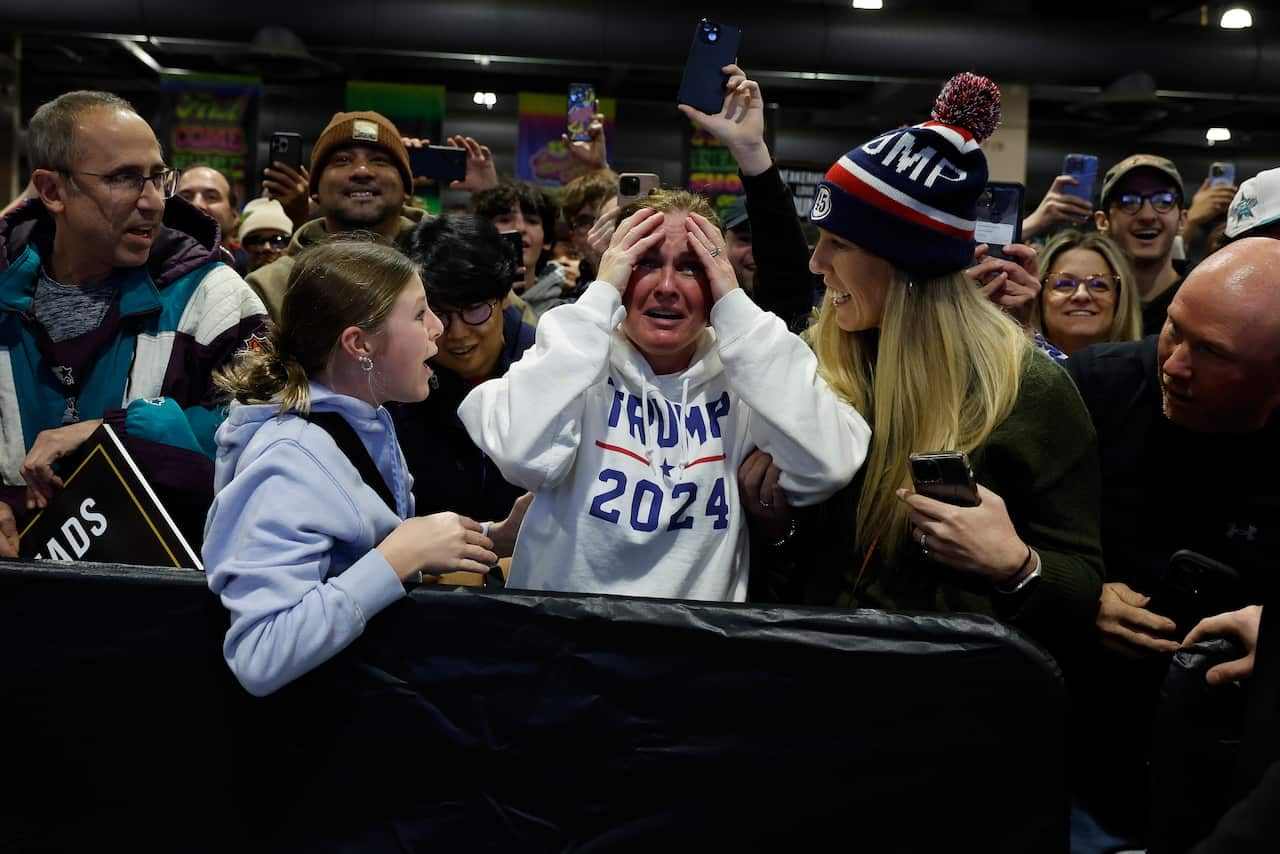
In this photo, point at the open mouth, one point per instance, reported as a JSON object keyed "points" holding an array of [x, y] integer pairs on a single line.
{"points": [[362, 194], [143, 231], [1147, 234], [659, 314]]}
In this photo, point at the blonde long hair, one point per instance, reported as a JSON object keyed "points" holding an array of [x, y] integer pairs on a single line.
{"points": [[347, 281], [943, 374], [1126, 319]]}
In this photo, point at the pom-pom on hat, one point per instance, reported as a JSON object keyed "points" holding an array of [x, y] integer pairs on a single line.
{"points": [[910, 195]]}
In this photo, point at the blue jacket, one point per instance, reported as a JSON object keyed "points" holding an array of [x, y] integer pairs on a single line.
{"points": [[290, 542], [146, 370], [449, 471]]}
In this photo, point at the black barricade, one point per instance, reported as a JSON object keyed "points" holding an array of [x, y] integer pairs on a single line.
{"points": [[470, 721]]}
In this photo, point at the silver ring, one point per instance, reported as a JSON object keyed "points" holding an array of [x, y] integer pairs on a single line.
{"points": [[765, 504], [715, 253], [923, 547]]}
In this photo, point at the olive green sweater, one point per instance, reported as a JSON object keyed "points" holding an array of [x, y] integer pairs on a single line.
{"points": [[1043, 461]]}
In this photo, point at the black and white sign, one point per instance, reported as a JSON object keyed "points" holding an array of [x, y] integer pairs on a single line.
{"points": [[106, 512]]}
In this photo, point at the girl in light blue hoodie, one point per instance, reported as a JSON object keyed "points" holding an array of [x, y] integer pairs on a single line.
{"points": [[300, 547]]}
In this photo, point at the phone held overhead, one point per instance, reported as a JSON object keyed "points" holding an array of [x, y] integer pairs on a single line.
{"points": [[715, 45], [286, 148], [1084, 168], [439, 162], [582, 108], [636, 185]]}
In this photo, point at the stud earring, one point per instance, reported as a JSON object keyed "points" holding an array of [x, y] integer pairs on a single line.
{"points": [[366, 364]]}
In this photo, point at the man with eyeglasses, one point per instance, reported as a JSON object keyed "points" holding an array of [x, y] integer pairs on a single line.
{"points": [[1187, 424], [1142, 211], [114, 306], [467, 272]]}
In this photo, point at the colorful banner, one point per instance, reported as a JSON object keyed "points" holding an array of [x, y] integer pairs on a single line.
{"points": [[541, 156], [416, 111], [710, 169], [212, 119]]}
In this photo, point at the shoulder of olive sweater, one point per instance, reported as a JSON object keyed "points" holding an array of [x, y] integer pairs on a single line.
{"points": [[1048, 410]]}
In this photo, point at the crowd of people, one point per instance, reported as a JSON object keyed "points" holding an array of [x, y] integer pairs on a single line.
{"points": [[340, 395]]}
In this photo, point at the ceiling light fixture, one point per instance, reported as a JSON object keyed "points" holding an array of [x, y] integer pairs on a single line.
{"points": [[1236, 19], [1213, 135], [868, 4], [487, 99]]}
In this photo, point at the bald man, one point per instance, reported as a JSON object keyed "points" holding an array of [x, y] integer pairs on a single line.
{"points": [[210, 191], [1187, 428]]}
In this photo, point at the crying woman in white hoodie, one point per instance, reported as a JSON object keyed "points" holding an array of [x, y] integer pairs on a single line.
{"points": [[635, 407]]}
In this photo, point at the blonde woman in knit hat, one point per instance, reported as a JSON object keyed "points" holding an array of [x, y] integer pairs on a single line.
{"points": [[906, 338]]}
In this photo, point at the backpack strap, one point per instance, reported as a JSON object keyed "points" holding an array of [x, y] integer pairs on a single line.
{"points": [[344, 436]]}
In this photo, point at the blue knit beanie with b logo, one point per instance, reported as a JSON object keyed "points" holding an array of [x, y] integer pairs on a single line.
{"points": [[910, 195]]}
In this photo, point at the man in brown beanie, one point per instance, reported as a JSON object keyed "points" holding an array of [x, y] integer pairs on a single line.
{"points": [[361, 181]]}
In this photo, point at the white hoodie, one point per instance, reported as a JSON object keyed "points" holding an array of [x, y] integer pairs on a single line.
{"points": [[636, 474]]}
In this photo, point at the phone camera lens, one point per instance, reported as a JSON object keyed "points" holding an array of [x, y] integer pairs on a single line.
{"points": [[630, 185], [712, 36]]}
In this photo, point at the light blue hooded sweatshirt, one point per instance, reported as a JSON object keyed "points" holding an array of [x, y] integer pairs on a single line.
{"points": [[289, 545]]}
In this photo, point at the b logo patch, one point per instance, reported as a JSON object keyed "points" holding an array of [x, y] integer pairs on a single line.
{"points": [[821, 204]]}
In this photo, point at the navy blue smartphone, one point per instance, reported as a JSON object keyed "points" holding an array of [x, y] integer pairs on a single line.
{"points": [[715, 45], [441, 162], [999, 217], [1084, 168]]}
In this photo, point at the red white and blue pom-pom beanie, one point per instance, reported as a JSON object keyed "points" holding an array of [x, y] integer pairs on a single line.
{"points": [[910, 194]]}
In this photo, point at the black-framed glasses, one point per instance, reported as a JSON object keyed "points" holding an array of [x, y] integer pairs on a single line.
{"points": [[1131, 203], [262, 241], [1065, 284], [475, 314], [132, 183]]}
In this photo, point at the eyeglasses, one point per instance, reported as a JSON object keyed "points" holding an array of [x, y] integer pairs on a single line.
{"points": [[261, 241], [1131, 203], [472, 315], [125, 184], [583, 222], [1065, 284]]}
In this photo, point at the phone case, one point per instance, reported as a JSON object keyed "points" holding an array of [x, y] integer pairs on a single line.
{"points": [[1194, 587], [1222, 174], [714, 46], [286, 147], [644, 182], [945, 476], [441, 162], [1084, 168], [999, 221], [582, 106]]}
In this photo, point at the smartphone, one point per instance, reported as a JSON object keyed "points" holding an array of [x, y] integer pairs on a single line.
{"points": [[1194, 587], [636, 185], [715, 45], [1084, 168], [515, 248], [999, 217], [441, 162], [582, 106], [286, 147], [945, 476], [1222, 174]]}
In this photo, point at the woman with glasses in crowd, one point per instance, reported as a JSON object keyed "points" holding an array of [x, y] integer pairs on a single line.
{"points": [[1087, 295]]}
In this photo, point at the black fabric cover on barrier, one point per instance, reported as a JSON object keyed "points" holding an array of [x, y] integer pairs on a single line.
{"points": [[469, 721]]}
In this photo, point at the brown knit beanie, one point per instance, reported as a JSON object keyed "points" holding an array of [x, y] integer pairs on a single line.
{"points": [[363, 128]]}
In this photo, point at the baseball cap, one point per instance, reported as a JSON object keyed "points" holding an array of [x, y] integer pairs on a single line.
{"points": [[1163, 165], [735, 214], [1256, 203]]}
